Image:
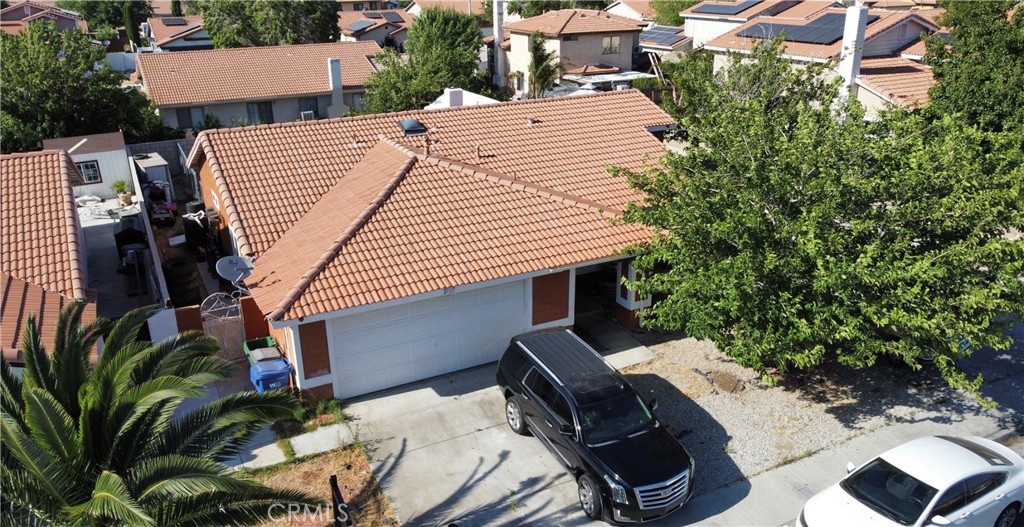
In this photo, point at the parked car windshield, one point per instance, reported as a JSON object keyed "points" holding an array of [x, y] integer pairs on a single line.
{"points": [[889, 491], [613, 418]]}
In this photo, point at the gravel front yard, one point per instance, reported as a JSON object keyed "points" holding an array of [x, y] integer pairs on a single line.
{"points": [[736, 426]]}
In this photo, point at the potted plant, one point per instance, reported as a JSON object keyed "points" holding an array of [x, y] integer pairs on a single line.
{"points": [[120, 187]]}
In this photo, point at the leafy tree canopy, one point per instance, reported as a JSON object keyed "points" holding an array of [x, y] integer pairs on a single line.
{"points": [[443, 52], [791, 230], [109, 12], [111, 444], [981, 76], [245, 23], [53, 88], [532, 8], [666, 12]]}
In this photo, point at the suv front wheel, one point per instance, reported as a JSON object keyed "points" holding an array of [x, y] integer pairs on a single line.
{"points": [[514, 415], [590, 497]]}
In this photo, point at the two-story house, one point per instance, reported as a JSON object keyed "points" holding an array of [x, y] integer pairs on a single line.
{"points": [[101, 160], [345, 6], [260, 85], [709, 20], [175, 33], [579, 38], [16, 17], [635, 9], [390, 27]]}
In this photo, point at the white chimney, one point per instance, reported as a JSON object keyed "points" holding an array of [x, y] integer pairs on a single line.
{"points": [[453, 96], [853, 47], [337, 107], [498, 19]]}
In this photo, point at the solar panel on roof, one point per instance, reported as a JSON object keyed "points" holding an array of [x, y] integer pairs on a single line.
{"points": [[359, 25], [825, 29], [662, 35], [175, 22], [393, 17], [725, 9], [372, 14]]}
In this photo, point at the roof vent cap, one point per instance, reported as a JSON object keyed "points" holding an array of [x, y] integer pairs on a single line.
{"points": [[412, 127]]}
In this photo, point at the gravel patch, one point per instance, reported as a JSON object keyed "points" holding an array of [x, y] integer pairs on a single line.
{"points": [[737, 426]]}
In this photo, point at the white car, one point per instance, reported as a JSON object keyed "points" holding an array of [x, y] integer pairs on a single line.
{"points": [[940, 480]]}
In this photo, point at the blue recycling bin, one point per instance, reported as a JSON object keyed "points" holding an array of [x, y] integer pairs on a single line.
{"points": [[270, 374]]}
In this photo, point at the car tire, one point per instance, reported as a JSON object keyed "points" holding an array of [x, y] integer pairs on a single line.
{"points": [[514, 415], [590, 497], [1008, 517]]}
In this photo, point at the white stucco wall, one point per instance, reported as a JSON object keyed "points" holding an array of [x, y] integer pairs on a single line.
{"points": [[285, 110], [113, 166], [573, 53], [704, 31], [624, 10]]}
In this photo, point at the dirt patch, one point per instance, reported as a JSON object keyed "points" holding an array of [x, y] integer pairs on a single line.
{"points": [[358, 485]]}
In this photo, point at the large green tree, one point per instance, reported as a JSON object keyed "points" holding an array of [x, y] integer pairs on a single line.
{"points": [[532, 8], [980, 77], [111, 444], [112, 13], [791, 230], [443, 52], [52, 87], [245, 23], [666, 12]]}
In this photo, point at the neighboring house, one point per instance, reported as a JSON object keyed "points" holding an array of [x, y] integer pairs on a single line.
{"points": [[475, 7], [42, 257], [455, 97], [394, 247], [101, 159], [880, 78], [365, 5], [578, 37], [376, 26], [659, 40], [635, 9], [265, 85], [175, 33], [708, 20], [18, 16]]}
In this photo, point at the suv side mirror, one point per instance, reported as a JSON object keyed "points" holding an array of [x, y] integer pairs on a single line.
{"points": [[653, 403], [850, 467], [940, 520], [566, 430]]}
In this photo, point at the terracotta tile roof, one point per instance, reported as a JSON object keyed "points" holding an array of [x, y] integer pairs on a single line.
{"points": [[640, 6], [18, 300], [347, 18], [781, 8], [575, 21], [901, 81], [913, 51], [48, 10], [44, 6], [731, 41], [245, 74], [39, 223], [164, 33], [91, 144], [890, 4], [487, 172], [593, 69], [476, 6]]}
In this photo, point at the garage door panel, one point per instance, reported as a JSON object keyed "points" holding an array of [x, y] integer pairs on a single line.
{"points": [[392, 346]]}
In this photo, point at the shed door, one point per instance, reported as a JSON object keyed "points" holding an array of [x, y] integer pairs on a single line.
{"points": [[392, 346]]}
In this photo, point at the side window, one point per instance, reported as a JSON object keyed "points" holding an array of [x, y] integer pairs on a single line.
{"points": [[951, 500], [560, 407], [982, 484]]}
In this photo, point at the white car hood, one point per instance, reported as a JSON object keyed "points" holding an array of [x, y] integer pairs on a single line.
{"points": [[834, 507]]}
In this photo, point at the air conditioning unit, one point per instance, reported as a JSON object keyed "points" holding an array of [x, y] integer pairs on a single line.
{"points": [[307, 116]]}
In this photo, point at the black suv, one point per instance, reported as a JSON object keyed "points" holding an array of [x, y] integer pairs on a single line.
{"points": [[627, 466]]}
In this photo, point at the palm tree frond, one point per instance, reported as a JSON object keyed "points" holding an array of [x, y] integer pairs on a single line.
{"points": [[111, 502]]}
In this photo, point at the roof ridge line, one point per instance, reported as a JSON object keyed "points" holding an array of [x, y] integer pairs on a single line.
{"points": [[517, 184], [346, 236], [71, 226]]}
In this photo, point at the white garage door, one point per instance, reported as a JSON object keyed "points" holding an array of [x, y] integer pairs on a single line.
{"points": [[388, 347]]}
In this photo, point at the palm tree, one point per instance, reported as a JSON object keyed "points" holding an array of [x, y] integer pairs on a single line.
{"points": [[544, 67], [106, 444]]}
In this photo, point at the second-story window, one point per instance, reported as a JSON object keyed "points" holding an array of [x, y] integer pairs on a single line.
{"points": [[90, 171], [260, 112], [611, 45]]}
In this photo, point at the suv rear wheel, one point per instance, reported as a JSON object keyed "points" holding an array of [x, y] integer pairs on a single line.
{"points": [[514, 415], [590, 497]]}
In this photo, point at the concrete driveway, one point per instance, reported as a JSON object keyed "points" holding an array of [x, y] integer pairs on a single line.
{"points": [[443, 453]]}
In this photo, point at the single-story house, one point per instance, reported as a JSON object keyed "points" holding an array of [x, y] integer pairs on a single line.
{"points": [[578, 37], [175, 33], [394, 247], [16, 17], [710, 19], [378, 26], [100, 158], [42, 257], [265, 85]]}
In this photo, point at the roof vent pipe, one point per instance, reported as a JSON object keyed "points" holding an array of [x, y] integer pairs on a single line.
{"points": [[853, 48]]}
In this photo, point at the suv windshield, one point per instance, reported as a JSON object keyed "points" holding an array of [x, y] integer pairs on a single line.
{"points": [[613, 418], [889, 491]]}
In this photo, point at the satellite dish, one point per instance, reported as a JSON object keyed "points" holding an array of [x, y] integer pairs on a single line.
{"points": [[234, 268]]}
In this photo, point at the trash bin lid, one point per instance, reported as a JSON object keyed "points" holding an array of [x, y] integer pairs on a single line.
{"points": [[259, 354], [270, 367]]}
